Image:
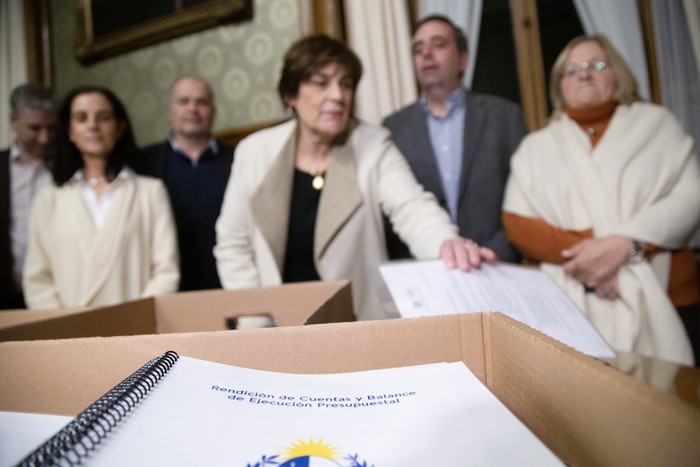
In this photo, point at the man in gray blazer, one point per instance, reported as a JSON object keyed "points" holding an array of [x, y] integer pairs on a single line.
{"points": [[458, 143]]}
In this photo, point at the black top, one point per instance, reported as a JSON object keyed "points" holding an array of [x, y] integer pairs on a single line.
{"points": [[299, 258], [196, 192]]}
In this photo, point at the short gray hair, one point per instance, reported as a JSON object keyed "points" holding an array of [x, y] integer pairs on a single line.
{"points": [[33, 96]]}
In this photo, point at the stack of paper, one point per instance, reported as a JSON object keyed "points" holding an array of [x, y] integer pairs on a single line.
{"points": [[424, 288]]}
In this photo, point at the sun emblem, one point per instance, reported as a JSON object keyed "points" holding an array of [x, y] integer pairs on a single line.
{"points": [[310, 454], [309, 449]]}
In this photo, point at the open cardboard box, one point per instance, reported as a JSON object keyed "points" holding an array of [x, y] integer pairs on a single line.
{"points": [[585, 411], [212, 310], [10, 318]]}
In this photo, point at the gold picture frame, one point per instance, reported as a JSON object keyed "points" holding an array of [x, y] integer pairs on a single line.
{"points": [[106, 28]]}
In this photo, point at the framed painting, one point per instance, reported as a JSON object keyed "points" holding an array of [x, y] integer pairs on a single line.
{"points": [[106, 28]]}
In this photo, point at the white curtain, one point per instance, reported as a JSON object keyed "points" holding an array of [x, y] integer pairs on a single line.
{"points": [[619, 21], [379, 33], [13, 60], [678, 71], [692, 15], [464, 13], [676, 25]]}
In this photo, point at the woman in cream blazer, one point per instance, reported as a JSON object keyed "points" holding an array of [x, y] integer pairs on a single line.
{"points": [[102, 234], [305, 198]]}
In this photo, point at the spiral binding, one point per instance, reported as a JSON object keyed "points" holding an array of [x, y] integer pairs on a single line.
{"points": [[75, 441]]}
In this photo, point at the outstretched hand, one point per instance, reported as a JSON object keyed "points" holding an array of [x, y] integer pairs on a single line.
{"points": [[465, 254]]}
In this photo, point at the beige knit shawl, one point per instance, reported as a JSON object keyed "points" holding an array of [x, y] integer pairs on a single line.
{"points": [[642, 180]]}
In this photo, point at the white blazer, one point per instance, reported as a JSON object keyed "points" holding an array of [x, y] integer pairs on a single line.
{"points": [[367, 176], [72, 264]]}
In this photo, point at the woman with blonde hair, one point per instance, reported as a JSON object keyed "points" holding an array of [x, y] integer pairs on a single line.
{"points": [[605, 199]]}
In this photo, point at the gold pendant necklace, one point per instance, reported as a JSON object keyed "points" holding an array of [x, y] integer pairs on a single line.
{"points": [[317, 181]]}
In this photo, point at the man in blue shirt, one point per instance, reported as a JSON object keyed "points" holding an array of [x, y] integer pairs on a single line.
{"points": [[195, 169], [458, 143]]}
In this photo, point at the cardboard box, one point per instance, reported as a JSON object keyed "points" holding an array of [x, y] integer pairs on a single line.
{"points": [[585, 411], [288, 304], [10, 318]]}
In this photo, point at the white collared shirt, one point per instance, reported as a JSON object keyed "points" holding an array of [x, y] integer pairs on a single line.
{"points": [[27, 177], [99, 206]]}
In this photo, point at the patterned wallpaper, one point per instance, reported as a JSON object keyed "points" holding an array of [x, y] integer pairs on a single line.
{"points": [[240, 61]]}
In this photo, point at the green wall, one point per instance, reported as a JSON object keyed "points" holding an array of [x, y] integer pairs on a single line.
{"points": [[241, 62]]}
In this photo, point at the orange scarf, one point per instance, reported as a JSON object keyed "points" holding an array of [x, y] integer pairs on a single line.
{"points": [[594, 120]]}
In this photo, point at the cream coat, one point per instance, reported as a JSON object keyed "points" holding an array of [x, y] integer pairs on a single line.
{"points": [[72, 264], [367, 175], [642, 180]]}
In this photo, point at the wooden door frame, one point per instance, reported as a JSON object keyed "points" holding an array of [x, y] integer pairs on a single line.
{"points": [[37, 36], [528, 52]]}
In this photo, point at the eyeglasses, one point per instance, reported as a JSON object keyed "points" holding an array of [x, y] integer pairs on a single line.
{"points": [[576, 68]]}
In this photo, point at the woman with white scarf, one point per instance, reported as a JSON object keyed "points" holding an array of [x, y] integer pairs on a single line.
{"points": [[605, 199]]}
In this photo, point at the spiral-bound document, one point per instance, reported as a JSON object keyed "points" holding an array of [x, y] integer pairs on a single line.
{"points": [[76, 440], [183, 411]]}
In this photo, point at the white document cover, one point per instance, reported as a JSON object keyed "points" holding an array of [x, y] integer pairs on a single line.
{"points": [[204, 413]]}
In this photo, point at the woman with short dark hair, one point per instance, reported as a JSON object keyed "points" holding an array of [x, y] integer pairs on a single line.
{"points": [[305, 198]]}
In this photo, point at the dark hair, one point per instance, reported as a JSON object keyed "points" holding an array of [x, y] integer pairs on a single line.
{"points": [[34, 96], [67, 159], [308, 55], [459, 35]]}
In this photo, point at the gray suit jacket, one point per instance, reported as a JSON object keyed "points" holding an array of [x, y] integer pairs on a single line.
{"points": [[493, 129]]}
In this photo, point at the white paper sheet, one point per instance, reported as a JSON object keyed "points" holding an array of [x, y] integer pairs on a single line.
{"points": [[425, 288], [205, 413], [21, 433]]}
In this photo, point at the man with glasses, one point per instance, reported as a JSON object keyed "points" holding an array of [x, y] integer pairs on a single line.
{"points": [[458, 143]]}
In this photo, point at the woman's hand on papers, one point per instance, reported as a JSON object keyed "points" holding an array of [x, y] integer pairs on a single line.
{"points": [[465, 254]]}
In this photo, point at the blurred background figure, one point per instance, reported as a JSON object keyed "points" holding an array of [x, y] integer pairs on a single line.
{"points": [[22, 174], [195, 168], [306, 198], [606, 197], [101, 234], [457, 142]]}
